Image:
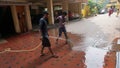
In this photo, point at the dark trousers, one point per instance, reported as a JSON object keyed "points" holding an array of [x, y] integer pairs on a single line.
{"points": [[63, 29]]}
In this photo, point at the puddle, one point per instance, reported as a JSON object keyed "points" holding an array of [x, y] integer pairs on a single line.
{"points": [[94, 57]]}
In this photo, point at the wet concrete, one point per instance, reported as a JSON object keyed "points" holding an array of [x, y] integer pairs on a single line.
{"points": [[99, 35], [97, 31]]}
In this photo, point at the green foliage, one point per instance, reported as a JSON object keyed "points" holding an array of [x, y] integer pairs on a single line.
{"points": [[92, 5]]}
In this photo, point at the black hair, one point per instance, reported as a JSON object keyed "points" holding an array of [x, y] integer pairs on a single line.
{"points": [[45, 13], [64, 13]]}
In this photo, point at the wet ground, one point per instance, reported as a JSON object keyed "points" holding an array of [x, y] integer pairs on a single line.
{"points": [[93, 43], [100, 37]]}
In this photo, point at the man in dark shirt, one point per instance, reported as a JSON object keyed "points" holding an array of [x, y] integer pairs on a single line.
{"points": [[44, 34]]}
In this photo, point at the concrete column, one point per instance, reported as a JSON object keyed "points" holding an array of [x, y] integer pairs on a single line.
{"points": [[118, 3], [28, 17], [15, 19], [65, 7], [50, 11]]}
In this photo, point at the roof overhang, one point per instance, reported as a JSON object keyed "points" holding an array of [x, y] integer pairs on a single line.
{"points": [[35, 2], [14, 3]]}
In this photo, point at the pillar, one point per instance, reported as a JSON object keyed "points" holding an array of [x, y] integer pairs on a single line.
{"points": [[28, 17], [65, 6], [118, 4], [50, 11], [15, 19]]}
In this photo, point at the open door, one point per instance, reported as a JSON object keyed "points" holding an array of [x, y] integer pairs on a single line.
{"points": [[22, 18]]}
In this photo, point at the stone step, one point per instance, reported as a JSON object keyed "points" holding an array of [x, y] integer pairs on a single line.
{"points": [[118, 41], [118, 60]]}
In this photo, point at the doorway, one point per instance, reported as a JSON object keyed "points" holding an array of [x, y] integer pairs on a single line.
{"points": [[6, 22], [22, 18]]}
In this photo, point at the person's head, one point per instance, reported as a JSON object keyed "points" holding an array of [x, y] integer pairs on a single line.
{"points": [[45, 14], [64, 13], [110, 6]]}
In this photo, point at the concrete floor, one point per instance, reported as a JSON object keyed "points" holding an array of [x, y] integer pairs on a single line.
{"points": [[92, 44]]}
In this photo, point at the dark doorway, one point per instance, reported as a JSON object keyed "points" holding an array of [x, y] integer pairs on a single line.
{"points": [[36, 14], [6, 22]]}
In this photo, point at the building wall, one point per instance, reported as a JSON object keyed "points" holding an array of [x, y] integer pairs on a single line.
{"points": [[20, 8], [75, 9], [19, 13], [84, 1]]}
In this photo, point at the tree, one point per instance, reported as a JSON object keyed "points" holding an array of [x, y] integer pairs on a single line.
{"points": [[93, 4]]}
